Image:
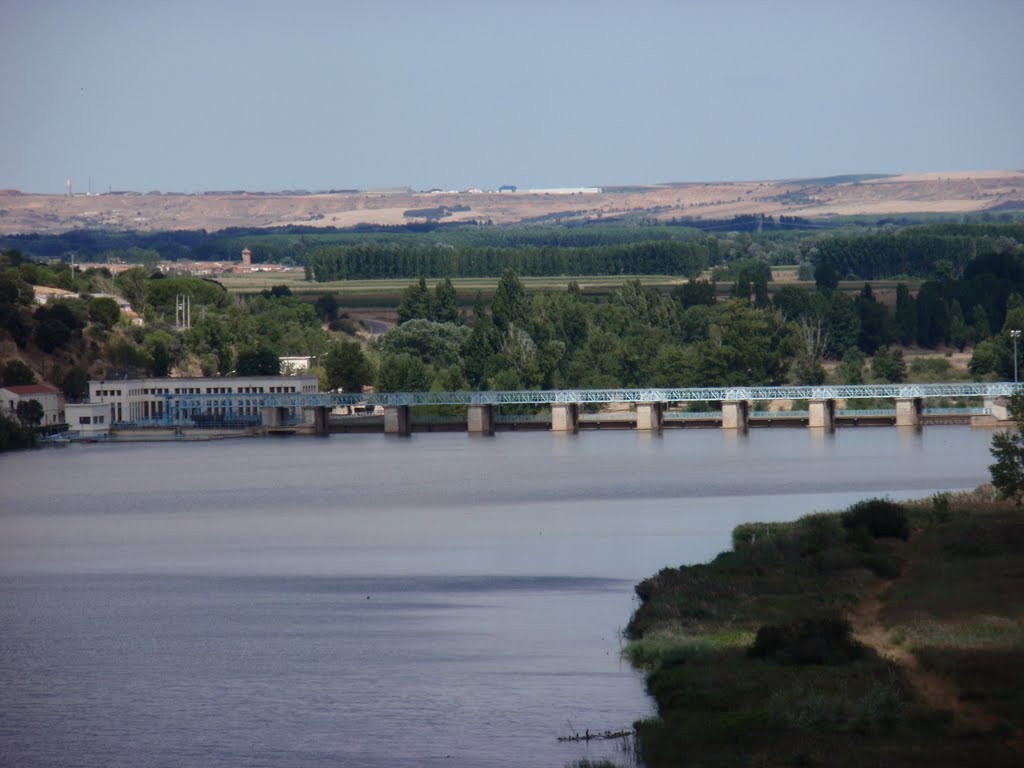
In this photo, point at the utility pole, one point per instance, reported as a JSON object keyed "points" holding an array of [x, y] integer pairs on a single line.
{"points": [[1014, 335], [183, 312]]}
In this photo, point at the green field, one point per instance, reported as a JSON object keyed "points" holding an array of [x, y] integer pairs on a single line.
{"points": [[387, 292]]}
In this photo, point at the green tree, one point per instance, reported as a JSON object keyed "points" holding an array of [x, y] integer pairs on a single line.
{"points": [[261, 361], [327, 307], [13, 435], [29, 412], [851, 369], [693, 293], [888, 365], [159, 349], [959, 331], [747, 347], [511, 305], [347, 367], [985, 359], [444, 308], [980, 329], [480, 350], [104, 310], [415, 302], [874, 321], [16, 373], [842, 322], [826, 277], [278, 292], [1007, 449], [403, 373], [75, 384], [906, 316], [132, 285], [435, 343], [52, 334]]}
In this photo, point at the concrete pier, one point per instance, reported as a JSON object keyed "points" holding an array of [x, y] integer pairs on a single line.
{"points": [[480, 419], [273, 416], [1000, 407], [565, 417], [736, 415], [821, 414], [908, 412], [649, 415], [397, 420], [321, 420]]}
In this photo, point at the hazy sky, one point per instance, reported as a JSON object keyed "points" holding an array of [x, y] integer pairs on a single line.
{"points": [[192, 96]]}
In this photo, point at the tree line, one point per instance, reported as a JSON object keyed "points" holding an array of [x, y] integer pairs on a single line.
{"points": [[368, 262], [914, 251]]}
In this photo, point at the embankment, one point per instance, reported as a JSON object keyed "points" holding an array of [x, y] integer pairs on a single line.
{"points": [[889, 634]]}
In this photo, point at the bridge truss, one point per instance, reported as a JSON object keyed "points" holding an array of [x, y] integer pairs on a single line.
{"points": [[177, 408]]}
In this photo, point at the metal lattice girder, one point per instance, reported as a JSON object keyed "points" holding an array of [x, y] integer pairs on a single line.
{"points": [[184, 404]]}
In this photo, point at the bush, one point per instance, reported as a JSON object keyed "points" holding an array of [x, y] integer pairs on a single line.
{"points": [[817, 533], [104, 310], [17, 373], [820, 640], [881, 518], [14, 436], [936, 368]]}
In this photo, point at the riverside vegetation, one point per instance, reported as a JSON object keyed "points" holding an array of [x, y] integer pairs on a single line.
{"points": [[889, 634], [633, 335]]}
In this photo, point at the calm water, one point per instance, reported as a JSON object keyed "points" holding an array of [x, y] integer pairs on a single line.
{"points": [[370, 601]]}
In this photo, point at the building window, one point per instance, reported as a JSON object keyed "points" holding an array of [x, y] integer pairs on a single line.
{"points": [[84, 420]]}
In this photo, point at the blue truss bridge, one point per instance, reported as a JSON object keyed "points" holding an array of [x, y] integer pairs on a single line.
{"points": [[274, 410]]}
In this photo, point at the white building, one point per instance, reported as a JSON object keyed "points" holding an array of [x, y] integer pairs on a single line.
{"points": [[44, 394], [88, 419], [141, 399]]}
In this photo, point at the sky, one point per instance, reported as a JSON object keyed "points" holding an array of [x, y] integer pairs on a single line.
{"points": [[189, 96]]}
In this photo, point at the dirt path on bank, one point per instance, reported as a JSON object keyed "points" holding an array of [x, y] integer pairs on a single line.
{"points": [[929, 687]]}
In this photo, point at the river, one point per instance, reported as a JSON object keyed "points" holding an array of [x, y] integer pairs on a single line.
{"points": [[362, 600]]}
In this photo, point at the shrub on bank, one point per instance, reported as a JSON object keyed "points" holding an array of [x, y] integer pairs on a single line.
{"points": [[13, 436], [818, 640], [881, 518]]}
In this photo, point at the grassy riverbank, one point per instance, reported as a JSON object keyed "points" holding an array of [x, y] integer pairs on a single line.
{"points": [[891, 634]]}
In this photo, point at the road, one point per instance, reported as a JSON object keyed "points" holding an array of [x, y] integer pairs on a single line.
{"points": [[376, 327]]}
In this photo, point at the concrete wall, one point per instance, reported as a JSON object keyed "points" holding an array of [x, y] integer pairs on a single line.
{"points": [[821, 414], [908, 412], [649, 415], [735, 414], [397, 420], [564, 417], [480, 419]]}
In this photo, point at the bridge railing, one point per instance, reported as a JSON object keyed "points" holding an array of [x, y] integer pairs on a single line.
{"points": [[240, 403]]}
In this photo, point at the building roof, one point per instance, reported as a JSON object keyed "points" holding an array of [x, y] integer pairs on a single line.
{"points": [[32, 389]]}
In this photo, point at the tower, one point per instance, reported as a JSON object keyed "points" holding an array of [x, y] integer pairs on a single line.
{"points": [[246, 258]]}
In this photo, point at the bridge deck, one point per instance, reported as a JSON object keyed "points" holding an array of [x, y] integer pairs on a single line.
{"points": [[597, 396]]}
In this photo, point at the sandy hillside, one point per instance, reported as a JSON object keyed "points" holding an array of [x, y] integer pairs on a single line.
{"points": [[961, 192]]}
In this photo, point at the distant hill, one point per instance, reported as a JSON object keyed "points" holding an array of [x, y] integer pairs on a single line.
{"points": [[849, 195]]}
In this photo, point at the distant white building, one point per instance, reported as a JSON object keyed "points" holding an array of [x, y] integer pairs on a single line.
{"points": [[564, 191], [48, 397], [294, 364]]}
